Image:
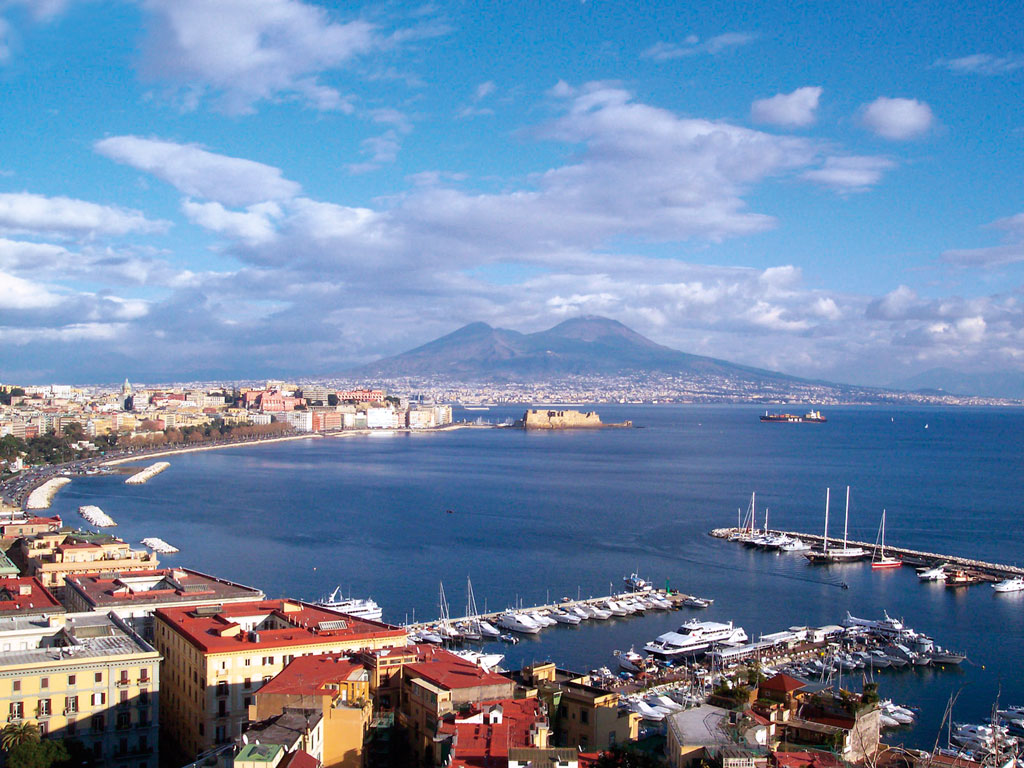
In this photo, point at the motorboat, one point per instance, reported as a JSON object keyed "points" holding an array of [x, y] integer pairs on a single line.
{"points": [[885, 626], [937, 573], [564, 617], [1016, 584], [351, 606], [486, 661], [796, 545], [541, 619], [697, 602], [519, 622], [695, 637], [594, 612], [616, 609], [636, 584]]}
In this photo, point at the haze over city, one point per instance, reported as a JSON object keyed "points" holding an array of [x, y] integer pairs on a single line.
{"points": [[208, 190]]}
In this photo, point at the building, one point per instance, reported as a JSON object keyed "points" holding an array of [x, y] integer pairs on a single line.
{"points": [[582, 715], [361, 395], [26, 596], [30, 526], [218, 657], [52, 557], [136, 596], [713, 734], [384, 418], [333, 688], [484, 734], [86, 677]]}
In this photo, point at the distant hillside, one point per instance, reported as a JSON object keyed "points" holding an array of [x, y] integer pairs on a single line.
{"points": [[582, 346], [1008, 384]]}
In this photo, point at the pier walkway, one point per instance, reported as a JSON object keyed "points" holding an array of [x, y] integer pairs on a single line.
{"points": [[928, 559]]}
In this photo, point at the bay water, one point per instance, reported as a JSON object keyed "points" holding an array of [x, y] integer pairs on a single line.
{"points": [[535, 516]]}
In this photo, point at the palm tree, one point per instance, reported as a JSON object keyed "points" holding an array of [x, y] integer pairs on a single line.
{"points": [[17, 733]]}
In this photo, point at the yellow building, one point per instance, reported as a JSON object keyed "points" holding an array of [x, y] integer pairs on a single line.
{"points": [[334, 686], [582, 715], [218, 657], [87, 677], [52, 557]]}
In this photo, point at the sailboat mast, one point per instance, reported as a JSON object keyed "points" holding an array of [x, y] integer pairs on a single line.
{"points": [[824, 547], [883, 531], [753, 511], [846, 519], [766, 521]]}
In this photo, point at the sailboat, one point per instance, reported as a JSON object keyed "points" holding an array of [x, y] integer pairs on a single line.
{"points": [[880, 559], [478, 626], [444, 625], [836, 555]]}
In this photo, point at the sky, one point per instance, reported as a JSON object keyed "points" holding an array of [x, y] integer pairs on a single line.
{"points": [[223, 189]]}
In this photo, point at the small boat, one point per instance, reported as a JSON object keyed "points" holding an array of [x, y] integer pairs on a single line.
{"points": [[519, 622], [697, 602], [1016, 584], [937, 573], [509, 638], [636, 584], [563, 617], [796, 545], [880, 559]]}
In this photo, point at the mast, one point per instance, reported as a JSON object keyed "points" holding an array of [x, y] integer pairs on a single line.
{"points": [[753, 511], [766, 521], [846, 519], [883, 532], [824, 547]]}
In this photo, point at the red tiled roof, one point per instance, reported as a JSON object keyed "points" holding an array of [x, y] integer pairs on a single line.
{"points": [[478, 744], [37, 598], [300, 759], [307, 675], [299, 624], [806, 760], [454, 673], [782, 683]]}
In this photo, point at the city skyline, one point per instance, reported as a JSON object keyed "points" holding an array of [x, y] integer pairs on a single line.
{"points": [[190, 191]]}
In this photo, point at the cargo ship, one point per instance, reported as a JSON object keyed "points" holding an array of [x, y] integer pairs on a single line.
{"points": [[812, 417]]}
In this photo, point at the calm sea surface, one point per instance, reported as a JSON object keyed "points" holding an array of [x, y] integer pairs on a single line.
{"points": [[544, 515]]}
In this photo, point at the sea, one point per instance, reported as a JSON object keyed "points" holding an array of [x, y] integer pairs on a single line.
{"points": [[532, 517]]}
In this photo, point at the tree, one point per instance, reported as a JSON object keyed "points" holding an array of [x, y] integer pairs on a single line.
{"points": [[332, 399], [37, 754], [395, 401], [17, 733]]}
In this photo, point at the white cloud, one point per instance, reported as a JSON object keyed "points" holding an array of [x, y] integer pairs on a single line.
{"points": [[897, 119], [788, 109], [200, 173], [43, 10], [16, 293], [849, 174], [23, 212], [984, 63], [380, 149], [1010, 252], [254, 226], [246, 51], [484, 89], [692, 46]]}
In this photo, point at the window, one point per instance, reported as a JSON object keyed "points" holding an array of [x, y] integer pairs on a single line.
{"points": [[584, 716], [72, 727], [267, 660], [124, 699], [124, 677], [247, 683], [222, 708], [99, 677], [124, 721], [248, 662], [70, 704], [71, 679], [143, 696], [222, 688], [44, 682], [16, 685], [611, 738], [99, 699], [17, 709], [248, 701], [98, 724], [221, 734], [144, 677]]}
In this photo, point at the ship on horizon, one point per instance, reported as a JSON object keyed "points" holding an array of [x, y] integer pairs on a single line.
{"points": [[811, 417]]}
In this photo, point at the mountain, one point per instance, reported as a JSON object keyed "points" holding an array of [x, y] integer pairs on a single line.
{"points": [[590, 345], [1009, 384]]}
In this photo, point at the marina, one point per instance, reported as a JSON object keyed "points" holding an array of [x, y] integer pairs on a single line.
{"points": [[146, 474], [96, 516]]}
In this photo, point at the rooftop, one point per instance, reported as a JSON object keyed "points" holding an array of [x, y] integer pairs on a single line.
{"points": [[308, 675], [155, 587], [285, 729], [271, 624], [703, 726], [72, 638], [452, 672], [26, 594], [259, 753], [782, 683]]}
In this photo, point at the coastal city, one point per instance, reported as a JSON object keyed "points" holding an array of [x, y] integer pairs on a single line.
{"points": [[121, 661]]}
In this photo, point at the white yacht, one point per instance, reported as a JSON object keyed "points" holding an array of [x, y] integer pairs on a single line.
{"points": [[594, 612], [360, 609], [564, 617], [1016, 584], [519, 622], [541, 619], [694, 637], [886, 626], [486, 661], [938, 573]]}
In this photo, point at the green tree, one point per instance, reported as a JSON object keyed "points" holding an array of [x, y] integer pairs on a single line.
{"points": [[395, 401], [332, 399], [37, 754], [18, 733]]}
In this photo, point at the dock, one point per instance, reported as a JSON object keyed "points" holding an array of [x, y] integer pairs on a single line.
{"points": [[984, 570], [675, 598]]}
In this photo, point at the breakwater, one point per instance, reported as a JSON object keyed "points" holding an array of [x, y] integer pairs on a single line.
{"points": [[921, 557], [151, 471], [42, 496], [96, 516]]}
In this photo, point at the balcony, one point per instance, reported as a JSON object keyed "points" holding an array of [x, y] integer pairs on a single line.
{"points": [[124, 682]]}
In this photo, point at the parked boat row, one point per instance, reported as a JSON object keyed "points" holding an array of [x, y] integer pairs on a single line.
{"points": [[146, 474], [96, 516]]}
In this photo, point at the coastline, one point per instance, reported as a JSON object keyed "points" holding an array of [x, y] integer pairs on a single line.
{"points": [[194, 448]]}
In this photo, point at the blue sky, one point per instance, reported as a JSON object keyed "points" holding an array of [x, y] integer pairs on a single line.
{"points": [[242, 188]]}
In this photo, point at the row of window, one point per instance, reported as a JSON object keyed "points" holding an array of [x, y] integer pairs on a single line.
{"points": [[124, 679], [44, 706]]}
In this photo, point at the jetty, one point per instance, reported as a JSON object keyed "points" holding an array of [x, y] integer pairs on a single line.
{"points": [[984, 570], [96, 516], [677, 599], [42, 497], [151, 471], [159, 545]]}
